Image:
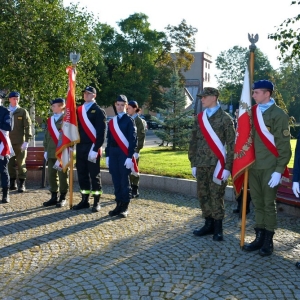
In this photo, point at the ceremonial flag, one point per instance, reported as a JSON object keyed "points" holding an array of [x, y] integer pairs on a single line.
{"points": [[244, 154], [69, 134]]}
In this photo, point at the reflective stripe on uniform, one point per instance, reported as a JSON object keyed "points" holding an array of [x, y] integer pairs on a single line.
{"points": [[85, 192], [97, 192]]}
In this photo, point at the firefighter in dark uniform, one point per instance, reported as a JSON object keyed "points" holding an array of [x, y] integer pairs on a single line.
{"points": [[58, 180], [20, 135], [266, 172], [133, 110], [119, 162], [92, 131], [5, 124]]}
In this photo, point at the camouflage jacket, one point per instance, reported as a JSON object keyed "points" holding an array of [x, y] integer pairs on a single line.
{"points": [[200, 154]]}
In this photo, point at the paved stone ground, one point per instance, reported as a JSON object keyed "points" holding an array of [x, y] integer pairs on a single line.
{"points": [[51, 253]]}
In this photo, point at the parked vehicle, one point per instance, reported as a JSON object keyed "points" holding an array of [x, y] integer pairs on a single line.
{"points": [[152, 125]]}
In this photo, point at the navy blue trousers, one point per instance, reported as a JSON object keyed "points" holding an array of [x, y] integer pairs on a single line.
{"points": [[119, 174], [4, 172]]}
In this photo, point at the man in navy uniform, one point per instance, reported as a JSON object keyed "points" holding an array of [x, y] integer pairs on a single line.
{"points": [[92, 131]]}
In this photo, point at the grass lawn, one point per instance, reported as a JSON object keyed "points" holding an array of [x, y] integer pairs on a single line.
{"points": [[163, 161]]}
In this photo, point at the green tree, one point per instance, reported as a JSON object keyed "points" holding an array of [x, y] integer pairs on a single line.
{"points": [[288, 37], [177, 120]]}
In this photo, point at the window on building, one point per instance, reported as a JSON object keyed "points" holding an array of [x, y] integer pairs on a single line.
{"points": [[205, 76], [208, 77], [208, 66]]}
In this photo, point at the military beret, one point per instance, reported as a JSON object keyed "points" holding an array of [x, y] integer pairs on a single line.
{"points": [[263, 84], [13, 94], [122, 98], [57, 100], [209, 91], [133, 103], [90, 89]]}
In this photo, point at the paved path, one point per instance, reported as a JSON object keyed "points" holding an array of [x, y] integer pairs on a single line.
{"points": [[50, 253]]}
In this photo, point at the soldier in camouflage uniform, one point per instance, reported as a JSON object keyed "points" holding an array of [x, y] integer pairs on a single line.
{"points": [[133, 110], [58, 180], [20, 136], [266, 172], [203, 162]]}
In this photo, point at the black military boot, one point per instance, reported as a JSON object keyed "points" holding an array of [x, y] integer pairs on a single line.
{"points": [[52, 201], [258, 242], [96, 205], [62, 200], [267, 247], [84, 203], [21, 188], [5, 195], [218, 231], [208, 228], [135, 191], [116, 210], [13, 184], [124, 210]]}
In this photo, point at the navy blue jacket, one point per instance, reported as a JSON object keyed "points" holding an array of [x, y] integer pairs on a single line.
{"points": [[296, 170], [5, 120]]}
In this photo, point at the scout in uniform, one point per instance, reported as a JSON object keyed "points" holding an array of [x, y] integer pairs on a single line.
{"points": [[272, 154], [20, 136], [121, 143], [92, 130], [58, 180], [133, 110], [211, 162]]}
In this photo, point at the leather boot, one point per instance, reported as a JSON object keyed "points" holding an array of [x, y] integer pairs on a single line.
{"points": [[218, 231], [96, 205], [258, 242], [52, 201], [135, 191], [124, 210], [84, 203], [116, 210], [13, 184], [62, 200], [5, 195], [21, 188], [208, 228], [267, 247]]}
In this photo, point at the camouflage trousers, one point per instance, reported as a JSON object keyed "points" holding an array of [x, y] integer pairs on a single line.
{"points": [[210, 194]]}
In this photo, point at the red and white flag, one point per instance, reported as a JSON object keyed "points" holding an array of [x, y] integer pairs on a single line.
{"points": [[69, 135], [244, 154]]}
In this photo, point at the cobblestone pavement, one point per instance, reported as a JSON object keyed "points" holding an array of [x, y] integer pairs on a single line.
{"points": [[57, 253]]}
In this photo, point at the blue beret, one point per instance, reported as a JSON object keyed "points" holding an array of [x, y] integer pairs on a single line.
{"points": [[133, 103], [57, 100], [122, 98], [13, 94], [90, 89], [263, 84]]}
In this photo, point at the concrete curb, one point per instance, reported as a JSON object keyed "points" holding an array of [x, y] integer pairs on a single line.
{"points": [[168, 184]]}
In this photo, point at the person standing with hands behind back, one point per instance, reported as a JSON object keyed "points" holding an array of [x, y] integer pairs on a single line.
{"points": [[211, 162], [121, 142], [20, 136]]}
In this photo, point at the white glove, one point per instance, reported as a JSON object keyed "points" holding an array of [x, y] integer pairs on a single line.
{"points": [[296, 189], [93, 155], [194, 171], [128, 163], [225, 175], [46, 155], [275, 178], [107, 161], [24, 146], [136, 155]]}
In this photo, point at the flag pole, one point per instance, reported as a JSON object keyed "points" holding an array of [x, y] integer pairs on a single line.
{"points": [[252, 39], [74, 58]]}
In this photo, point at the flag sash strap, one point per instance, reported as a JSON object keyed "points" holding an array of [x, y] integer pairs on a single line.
{"points": [[214, 143], [5, 146], [88, 127], [54, 133], [122, 142], [266, 137]]}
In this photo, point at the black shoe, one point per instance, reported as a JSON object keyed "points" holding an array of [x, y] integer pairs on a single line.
{"points": [[84, 203], [62, 200], [96, 205], [13, 184], [116, 210], [52, 201], [218, 231], [134, 191], [208, 228], [297, 264], [258, 242], [5, 195], [124, 210], [267, 248], [21, 188]]}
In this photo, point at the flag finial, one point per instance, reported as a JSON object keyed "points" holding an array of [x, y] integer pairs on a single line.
{"points": [[74, 57], [252, 39]]}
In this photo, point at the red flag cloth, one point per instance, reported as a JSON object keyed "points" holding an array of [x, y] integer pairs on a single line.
{"points": [[69, 134], [244, 154]]}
